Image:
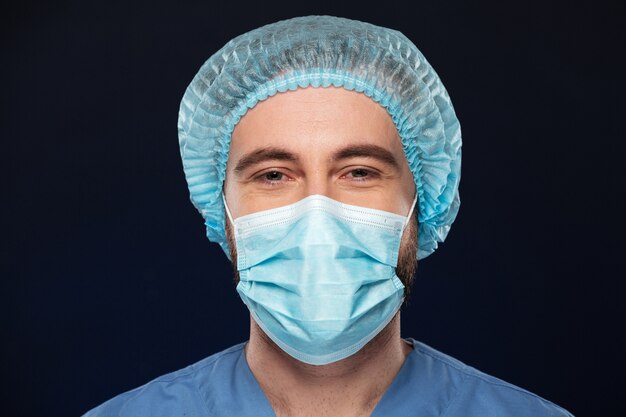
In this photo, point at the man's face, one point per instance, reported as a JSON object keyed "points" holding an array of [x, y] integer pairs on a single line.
{"points": [[328, 141]]}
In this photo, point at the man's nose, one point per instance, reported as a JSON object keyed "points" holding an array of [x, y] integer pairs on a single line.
{"points": [[318, 183]]}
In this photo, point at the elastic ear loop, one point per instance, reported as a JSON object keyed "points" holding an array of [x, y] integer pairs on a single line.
{"points": [[408, 218], [230, 217]]}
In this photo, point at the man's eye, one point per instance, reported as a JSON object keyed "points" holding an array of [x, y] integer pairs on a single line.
{"points": [[274, 176], [359, 173]]}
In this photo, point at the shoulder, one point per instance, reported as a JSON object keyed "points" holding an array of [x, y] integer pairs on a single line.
{"points": [[176, 393], [479, 394]]}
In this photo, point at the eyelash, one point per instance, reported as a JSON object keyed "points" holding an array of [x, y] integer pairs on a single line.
{"points": [[263, 177], [368, 177]]}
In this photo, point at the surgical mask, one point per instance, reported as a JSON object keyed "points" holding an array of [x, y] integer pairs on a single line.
{"points": [[318, 276]]}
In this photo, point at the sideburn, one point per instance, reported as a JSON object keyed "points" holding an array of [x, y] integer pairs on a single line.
{"points": [[232, 250], [407, 257]]}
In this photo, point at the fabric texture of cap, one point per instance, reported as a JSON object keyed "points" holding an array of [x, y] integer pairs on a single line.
{"points": [[323, 51]]}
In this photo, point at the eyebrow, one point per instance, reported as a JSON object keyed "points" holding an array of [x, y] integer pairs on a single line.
{"points": [[367, 151], [262, 155]]}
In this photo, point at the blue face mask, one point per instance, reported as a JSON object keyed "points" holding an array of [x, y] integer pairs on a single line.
{"points": [[318, 276]]}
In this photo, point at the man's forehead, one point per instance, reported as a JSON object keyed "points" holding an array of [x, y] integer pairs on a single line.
{"points": [[315, 119]]}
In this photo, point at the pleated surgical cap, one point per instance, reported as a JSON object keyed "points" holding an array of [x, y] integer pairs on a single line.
{"points": [[320, 51]]}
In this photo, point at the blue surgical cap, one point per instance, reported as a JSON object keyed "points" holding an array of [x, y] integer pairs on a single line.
{"points": [[323, 51]]}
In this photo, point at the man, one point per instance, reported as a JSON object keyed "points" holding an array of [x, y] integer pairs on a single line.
{"points": [[324, 155]]}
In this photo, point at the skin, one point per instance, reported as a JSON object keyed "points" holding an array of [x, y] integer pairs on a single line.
{"points": [[343, 145]]}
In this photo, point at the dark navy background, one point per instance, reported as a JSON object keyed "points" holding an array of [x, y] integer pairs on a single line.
{"points": [[107, 280]]}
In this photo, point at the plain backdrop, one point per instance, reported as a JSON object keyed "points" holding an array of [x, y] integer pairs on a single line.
{"points": [[107, 280]]}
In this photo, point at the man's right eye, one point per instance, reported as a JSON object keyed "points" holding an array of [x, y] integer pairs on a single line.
{"points": [[271, 178]]}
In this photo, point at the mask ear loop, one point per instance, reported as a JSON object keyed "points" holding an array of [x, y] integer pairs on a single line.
{"points": [[408, 218], [230, 217]]}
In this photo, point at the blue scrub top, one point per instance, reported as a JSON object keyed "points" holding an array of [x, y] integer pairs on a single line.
{"points": [[429, 384]]}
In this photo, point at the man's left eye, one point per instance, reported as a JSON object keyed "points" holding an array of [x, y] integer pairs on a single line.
{"points": [[359, 173], [361, 176]]}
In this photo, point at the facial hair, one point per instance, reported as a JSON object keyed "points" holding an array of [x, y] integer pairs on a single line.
{"points": [[407, 256]]}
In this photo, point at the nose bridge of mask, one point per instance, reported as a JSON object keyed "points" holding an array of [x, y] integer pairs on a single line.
{"points": [[319, 199]]}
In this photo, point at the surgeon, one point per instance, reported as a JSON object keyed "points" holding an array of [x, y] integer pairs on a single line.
{"points": [[324, 155]]}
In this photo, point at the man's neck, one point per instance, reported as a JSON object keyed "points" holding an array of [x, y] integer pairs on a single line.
{"points": [[349, 387]]}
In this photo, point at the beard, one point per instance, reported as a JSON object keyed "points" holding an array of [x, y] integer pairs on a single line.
{"points": [[407, 256]]}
